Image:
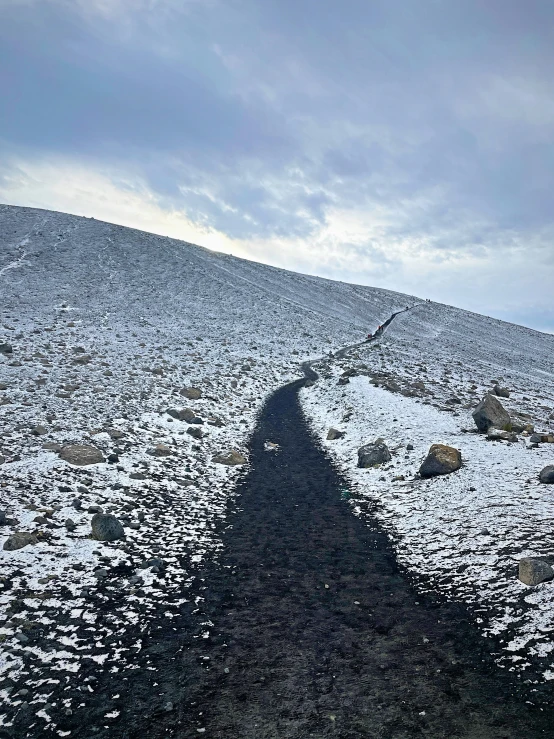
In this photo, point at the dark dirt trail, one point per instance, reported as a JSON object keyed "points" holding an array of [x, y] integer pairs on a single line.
{"points": [[316, 633]]}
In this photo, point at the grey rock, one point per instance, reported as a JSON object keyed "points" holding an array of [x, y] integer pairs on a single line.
{"points": [[100, 573], [535, 439], [152, 562], [491, 412], [547, 474], [160, 450], [373, 454], [196, 433], [39, 430], [70, 524], [76, 503], [3, 519], [94, 509], [19, 540], [441, 460], [410, 447], [106, 527], [81, 455], [6, 348], [232, 457], [499, 435], [334, 434], [192, 393], [137, 476], [501, 392], [533, 570]]}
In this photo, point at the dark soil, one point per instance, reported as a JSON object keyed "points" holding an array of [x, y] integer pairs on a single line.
{"points": [[315, 632]]}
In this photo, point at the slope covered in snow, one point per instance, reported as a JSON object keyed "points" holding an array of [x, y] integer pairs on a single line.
{"points": [[105, 328]]}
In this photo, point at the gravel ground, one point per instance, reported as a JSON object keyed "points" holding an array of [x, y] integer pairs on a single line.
{"points": [[306, 627]]}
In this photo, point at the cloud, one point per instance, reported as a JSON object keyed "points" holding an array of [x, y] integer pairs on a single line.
{"points": [[406, 143]]}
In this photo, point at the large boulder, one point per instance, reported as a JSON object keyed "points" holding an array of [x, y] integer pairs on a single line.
{"points": [[106, 527], [81, 454], [533, 570], [547, 474], [231, 457], [370, 455], [440, 460], [491, 412]]}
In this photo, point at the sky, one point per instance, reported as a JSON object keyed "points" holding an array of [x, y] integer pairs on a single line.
{"points": [[406, 144]]}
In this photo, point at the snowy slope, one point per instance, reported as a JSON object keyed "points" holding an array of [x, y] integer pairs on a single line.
{"points": [[156, 315], [463, 534]]}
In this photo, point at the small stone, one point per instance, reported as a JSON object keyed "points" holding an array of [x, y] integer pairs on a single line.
{"points": [[137, 476], [232, 457], [39, 431], [152, 562], [100, 573], [533, 570], [334, 434], [6, 348], [196, 433], [81, 455], [160, 450], [106, 527], [70, 524], [76, 503], [192, 393], [19, 540], [547, 474]]}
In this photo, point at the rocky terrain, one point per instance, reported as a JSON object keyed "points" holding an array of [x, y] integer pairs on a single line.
{"points": [[133, 369]]}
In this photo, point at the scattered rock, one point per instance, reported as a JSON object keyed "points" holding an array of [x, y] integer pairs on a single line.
{"points": [[192, 393], [160, 450], [137, 476], [106, 527], [410, 447], [499, 435], [491, 412], [440, 460], [70, 524], [533, 570], [83, 359], [231, 457], [196, 433], [334, 434], [547, 474], [6, 348], [19, 540], [501, 392], [152, 562], [373, 454], [39, 431], [81, 454]]}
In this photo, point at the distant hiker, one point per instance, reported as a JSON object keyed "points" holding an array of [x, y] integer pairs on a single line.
{"points": [[369, 336]]}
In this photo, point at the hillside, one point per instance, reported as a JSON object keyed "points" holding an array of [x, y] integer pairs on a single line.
{"points": [[105, 329]]}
